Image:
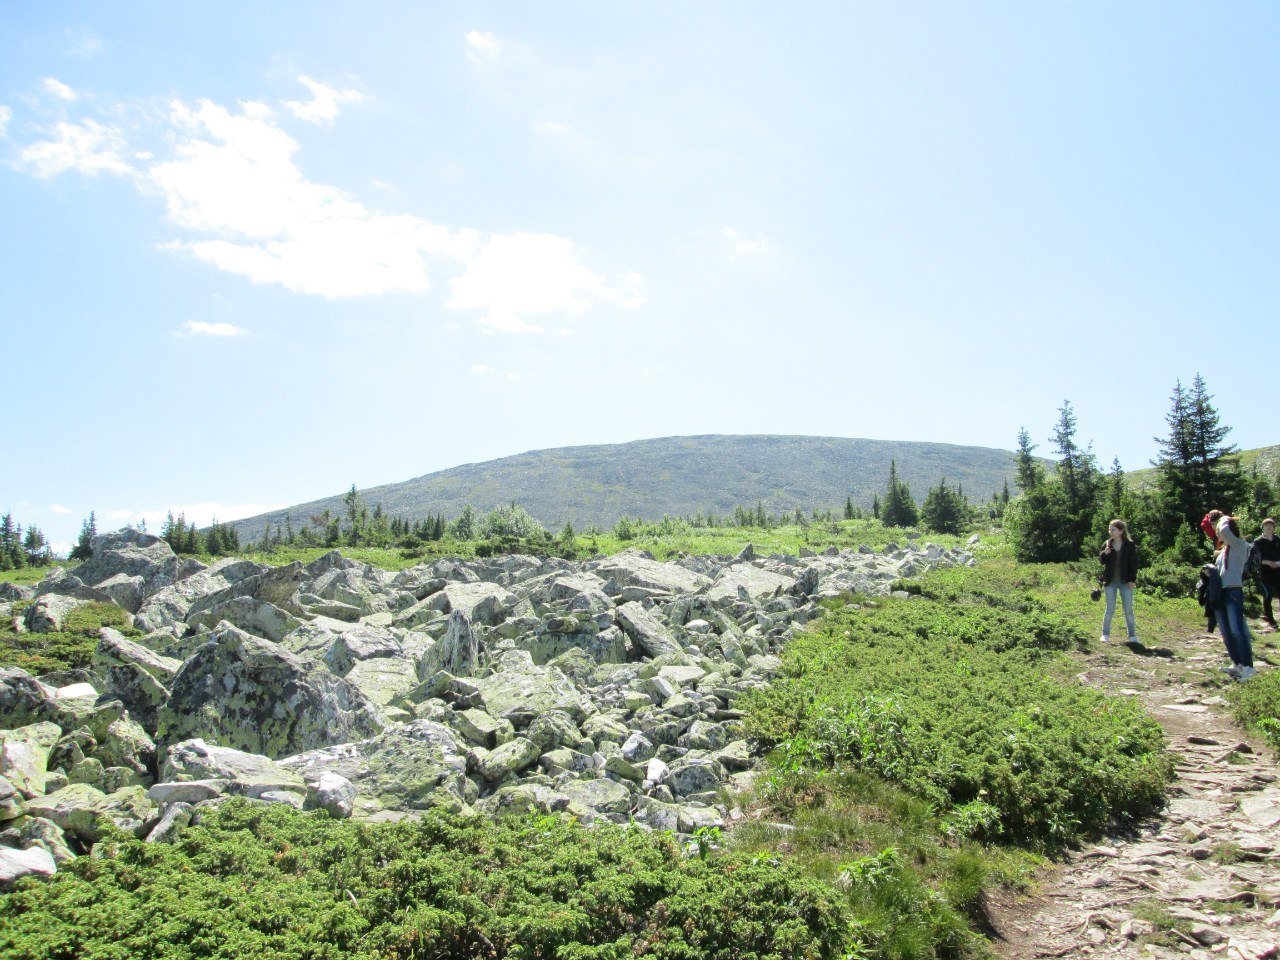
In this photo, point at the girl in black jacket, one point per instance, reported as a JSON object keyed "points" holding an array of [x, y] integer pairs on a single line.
{"points": [[1119, 559]]}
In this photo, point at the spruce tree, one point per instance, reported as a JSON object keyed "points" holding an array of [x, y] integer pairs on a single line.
{"points": [[944, 509], [898, 509], [83, 549], [1196, 470], [848, 508], [1029, 471]]}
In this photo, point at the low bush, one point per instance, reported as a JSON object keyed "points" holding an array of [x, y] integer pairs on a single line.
{"points": [[960, 702], [71, 647], [267, 881], [1256, 704]]}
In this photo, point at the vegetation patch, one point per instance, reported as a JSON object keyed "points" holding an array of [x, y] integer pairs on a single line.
{"points": [[71, 647], [1256, 705], [266, 881], [961, 699]]}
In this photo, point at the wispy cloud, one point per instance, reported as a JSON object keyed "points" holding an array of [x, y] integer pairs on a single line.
{"points": [[742, 244], [323, 106], [198, 328], [483, 47], [87, 147], [59, 509], [6, 114], [86, 45], [230, 183], [482, 370], [59, 89]]}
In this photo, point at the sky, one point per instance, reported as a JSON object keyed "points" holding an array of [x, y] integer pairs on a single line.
{"points": [[251, 254]]}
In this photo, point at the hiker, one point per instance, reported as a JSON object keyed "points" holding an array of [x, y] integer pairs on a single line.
{"points": [[1268, 547], [1119, 558], [1230, 562]]}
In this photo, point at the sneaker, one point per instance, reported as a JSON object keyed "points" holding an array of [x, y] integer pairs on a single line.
{"points": [[1133, 642], [1105, 638], [1244, 673], [1231, 671]]}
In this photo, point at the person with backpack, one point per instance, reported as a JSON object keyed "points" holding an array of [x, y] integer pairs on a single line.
{"points": [[1267, 547], [1119, 558], [1231, 561]]}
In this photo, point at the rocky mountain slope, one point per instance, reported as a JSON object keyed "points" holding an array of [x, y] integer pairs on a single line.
{"points": [[607, 688], [679, 476]]}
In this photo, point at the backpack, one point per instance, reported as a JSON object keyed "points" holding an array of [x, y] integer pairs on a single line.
{"points": [[1253, 562]]}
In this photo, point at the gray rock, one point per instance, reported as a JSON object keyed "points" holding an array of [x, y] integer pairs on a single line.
{"points": [[12, 805], [360, 643], [412, 767], [16, 864], [645, 630], [511, 757], [519, 691], [456, 652], [86, 813], [691, 776], [757, 584], [253, 695], [31, 832], [332, 793], [633, 569], [125, 591], [132, 553], [176, 817], [251, 614], [49, 612], [245, 774], [592, 798], [24, 756]]}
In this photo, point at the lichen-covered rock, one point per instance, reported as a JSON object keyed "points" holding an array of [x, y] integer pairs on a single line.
{"points": [[171, 604], [645, 630], [115, 648], [86, 813], [251, 694], [246, 774], [132, 553], [24, 699], [125, 743], [508, 758], [520, 692], [31, 832], [360, 643], [631, 568], [384, 680], [412, 767], [24, 756], [175, 819], [251, 614], [589, 799], [457, 651], [12, 804], [125, 590], [755, 581]]}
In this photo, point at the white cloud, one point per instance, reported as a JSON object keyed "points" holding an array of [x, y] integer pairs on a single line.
{"points": [[6, 114], [518, 274], [88, 147], [200, 514], [233, 176], [324, 103], [59, 509], [88, 45], [746, 245], [229, 181], [483, 47], [198, 328], [58, 89], [481, 370]]}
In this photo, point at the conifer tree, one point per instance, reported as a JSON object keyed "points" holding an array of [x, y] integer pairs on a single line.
{"points": [[898, 509], [848, 508], [944, 509], [1030, 472], [83, 549], [1196, 470]]}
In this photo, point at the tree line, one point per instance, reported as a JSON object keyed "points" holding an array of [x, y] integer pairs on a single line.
{"points": [[1061, 515], [18, 549]]}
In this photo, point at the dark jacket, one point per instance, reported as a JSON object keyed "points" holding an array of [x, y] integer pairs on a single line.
{"points": [[1119, 566]]}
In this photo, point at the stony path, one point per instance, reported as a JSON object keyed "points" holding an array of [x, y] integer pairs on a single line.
{"points": [[1201, 880]]}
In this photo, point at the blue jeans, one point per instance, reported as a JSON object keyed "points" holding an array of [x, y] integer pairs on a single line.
{"points": [[1235, 632], [1126, 596]]}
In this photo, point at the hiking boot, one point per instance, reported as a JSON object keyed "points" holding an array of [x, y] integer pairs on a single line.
{"points": [[1244, 673], [1231, 671]]}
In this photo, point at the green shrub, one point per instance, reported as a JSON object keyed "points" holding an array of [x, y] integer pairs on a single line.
{"points": [[266, 881], [71, 647], [1256, 704], [957, 702]]}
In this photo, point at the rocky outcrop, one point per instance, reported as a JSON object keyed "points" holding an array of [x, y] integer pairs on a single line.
{"points": [[608, 688]]}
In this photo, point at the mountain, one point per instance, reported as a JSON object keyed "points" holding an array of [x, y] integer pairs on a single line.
{"points": [[1265, 459], [680, 476]]}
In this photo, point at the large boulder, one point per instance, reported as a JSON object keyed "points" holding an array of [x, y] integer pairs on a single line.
{"points": [[132, 553], [633, 569], [519, 691], [245, 692], [237, 771], [16, 864], [86, 813], [251, 614], [274, 585], [114, 649], [483, 603], [457, 651], [170, 605], [413, 767], [360, 643], [24, 699], [646, 631], [384, 680], [24, 756], [758, 584]]}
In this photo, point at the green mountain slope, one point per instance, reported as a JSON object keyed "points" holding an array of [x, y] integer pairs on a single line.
{"points": [[679, 476], [1266, 459]]}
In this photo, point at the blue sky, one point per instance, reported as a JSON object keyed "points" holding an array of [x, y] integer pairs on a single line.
{"points": [[255, 253]]}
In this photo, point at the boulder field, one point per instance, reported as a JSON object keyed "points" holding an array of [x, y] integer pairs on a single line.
{"points": [[606, 688]]}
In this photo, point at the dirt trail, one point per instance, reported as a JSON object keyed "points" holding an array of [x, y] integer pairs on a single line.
{"points": [[1203, 878]]}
